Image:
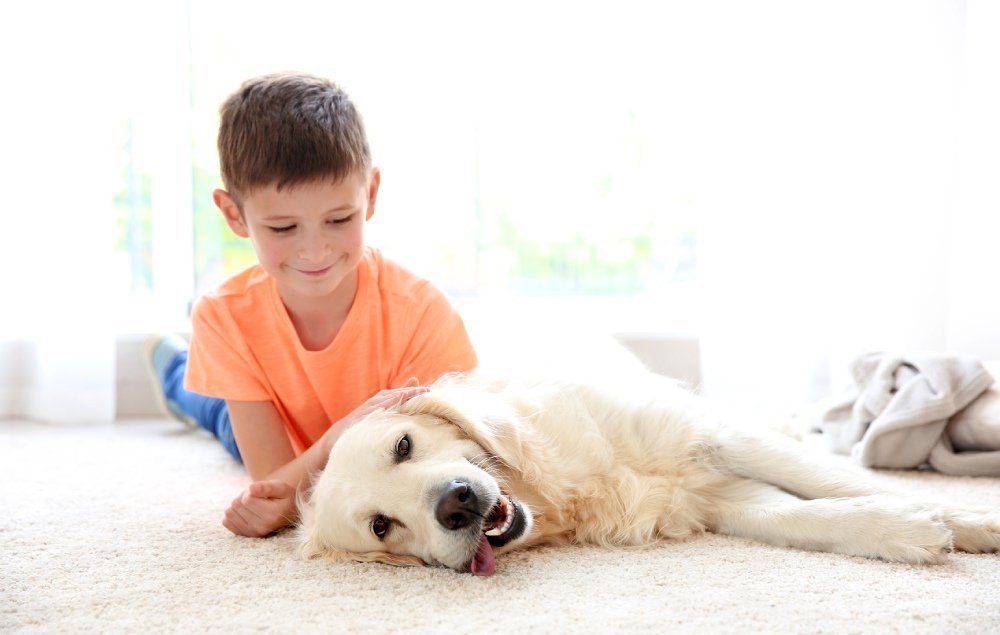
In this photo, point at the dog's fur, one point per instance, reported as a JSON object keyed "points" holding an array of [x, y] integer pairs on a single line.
{"points": [[578, 462]]}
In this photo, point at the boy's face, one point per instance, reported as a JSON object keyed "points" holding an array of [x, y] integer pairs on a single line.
{"points": [[309, 237]]}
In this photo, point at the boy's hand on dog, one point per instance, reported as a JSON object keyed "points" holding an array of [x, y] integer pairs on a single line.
{"points": [[382, 400], [386, 399], [262, 509]]}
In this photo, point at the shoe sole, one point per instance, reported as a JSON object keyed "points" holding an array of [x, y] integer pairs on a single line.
{"points": [[161, 399]]}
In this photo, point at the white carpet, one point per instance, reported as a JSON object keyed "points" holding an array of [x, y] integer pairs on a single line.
{"points": [[117, 529]]}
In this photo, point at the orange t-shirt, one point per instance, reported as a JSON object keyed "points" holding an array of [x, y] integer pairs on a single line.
{"points": [[245, 348]]}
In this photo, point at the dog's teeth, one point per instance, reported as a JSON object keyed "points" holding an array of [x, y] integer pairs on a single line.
{"points": [[507, 521]]}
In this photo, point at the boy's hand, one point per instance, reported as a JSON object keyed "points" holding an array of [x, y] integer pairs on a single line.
{"points": [[262, 509], [385, 399]]}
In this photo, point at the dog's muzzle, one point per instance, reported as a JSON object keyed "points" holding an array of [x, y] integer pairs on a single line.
{"points": [[459, 508]]}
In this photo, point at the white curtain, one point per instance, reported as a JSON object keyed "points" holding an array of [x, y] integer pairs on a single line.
{"points": [[74, 75], [56, 339], [855, 204]]}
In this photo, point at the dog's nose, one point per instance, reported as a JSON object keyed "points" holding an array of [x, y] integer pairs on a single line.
{"points": [[457, 507]]}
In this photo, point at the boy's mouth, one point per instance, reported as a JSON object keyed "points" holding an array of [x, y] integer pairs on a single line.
{"points": [[315, 272]]}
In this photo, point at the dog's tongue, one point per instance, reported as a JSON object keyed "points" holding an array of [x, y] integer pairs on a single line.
{"points": [[483, 563]]}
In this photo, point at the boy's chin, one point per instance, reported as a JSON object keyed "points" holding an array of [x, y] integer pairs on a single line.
{"points": [[319, 287]]}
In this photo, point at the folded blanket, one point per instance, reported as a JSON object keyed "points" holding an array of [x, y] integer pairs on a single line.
{"points": [[906, 411]]}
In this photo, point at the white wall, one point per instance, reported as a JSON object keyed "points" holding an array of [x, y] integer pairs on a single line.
{"points": [[854, 203]]}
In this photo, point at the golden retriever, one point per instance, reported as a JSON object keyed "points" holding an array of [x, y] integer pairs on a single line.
{"points": [[474, 468]]}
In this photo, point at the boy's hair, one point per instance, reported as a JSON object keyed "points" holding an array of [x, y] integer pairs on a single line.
{"points": [[287, 129]]}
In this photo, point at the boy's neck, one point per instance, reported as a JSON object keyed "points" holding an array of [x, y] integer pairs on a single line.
{"points": [[318, 320]]}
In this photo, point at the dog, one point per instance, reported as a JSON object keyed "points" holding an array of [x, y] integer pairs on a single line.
{"points": [[477, 467]]}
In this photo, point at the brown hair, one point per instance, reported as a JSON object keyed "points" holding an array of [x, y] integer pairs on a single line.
{"points": [[287, 129]]}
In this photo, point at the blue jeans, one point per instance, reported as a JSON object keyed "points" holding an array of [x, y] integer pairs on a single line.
{"points": [[210, 413]]}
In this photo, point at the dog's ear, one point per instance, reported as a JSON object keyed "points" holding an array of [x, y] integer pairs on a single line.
{"points": [[484, 420], [311, 546], [387, 558], [309, 549], [492, 422], [312, 550]]}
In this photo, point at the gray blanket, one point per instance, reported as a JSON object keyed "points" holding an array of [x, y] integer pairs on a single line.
{"points": [[897, 415]]}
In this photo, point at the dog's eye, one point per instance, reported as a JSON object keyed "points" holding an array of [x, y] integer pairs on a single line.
{"points": [[381, 526], [403, 447]]}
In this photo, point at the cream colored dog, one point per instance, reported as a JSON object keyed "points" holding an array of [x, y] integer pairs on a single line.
{"points": [[475, 468]]}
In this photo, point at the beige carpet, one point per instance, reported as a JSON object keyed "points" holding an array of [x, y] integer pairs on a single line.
{"points": [[116, 529]]}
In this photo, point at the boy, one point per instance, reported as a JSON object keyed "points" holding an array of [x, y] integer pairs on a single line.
{"points": [[298, 344]]}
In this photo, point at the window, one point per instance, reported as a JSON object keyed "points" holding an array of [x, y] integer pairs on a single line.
{"points": [[517, 162]]}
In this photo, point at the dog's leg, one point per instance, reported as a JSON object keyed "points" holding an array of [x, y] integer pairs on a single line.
{"points": [[869, 526], [975, 531], [764, 455], [772, 458]]}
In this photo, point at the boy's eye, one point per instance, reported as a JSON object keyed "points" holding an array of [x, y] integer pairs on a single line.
{"points": [[341, 221], [282, 230]]}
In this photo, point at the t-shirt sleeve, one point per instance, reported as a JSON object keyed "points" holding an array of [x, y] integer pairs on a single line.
{"points": [[439, 343], [220, 363]]}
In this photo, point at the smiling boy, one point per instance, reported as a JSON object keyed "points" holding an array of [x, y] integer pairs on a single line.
{"points": [[323, 329]]}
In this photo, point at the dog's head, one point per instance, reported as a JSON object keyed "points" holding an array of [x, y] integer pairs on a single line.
{"points": [[419, 484]]}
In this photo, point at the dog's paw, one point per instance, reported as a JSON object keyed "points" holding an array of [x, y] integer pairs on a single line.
{"points": [[924, 541], [910, 534], [973, 531]]}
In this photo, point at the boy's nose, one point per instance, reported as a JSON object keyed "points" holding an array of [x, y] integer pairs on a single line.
{"points": [[313, 246]]}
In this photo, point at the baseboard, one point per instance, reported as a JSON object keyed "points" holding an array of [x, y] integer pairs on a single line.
{"points": [[135, 397], [674, 356]]}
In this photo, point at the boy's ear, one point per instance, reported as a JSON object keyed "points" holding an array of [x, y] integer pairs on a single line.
{"points": [[373, 182], [231, 211]]}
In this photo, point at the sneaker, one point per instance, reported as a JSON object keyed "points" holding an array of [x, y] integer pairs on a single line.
{"points": [[158, 353]]}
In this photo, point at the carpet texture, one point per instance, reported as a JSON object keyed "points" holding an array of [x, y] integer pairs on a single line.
{"points": [[117, 529]]}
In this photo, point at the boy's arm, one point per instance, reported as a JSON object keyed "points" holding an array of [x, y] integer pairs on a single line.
{"points": [[260, 435], [269, 502]]}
